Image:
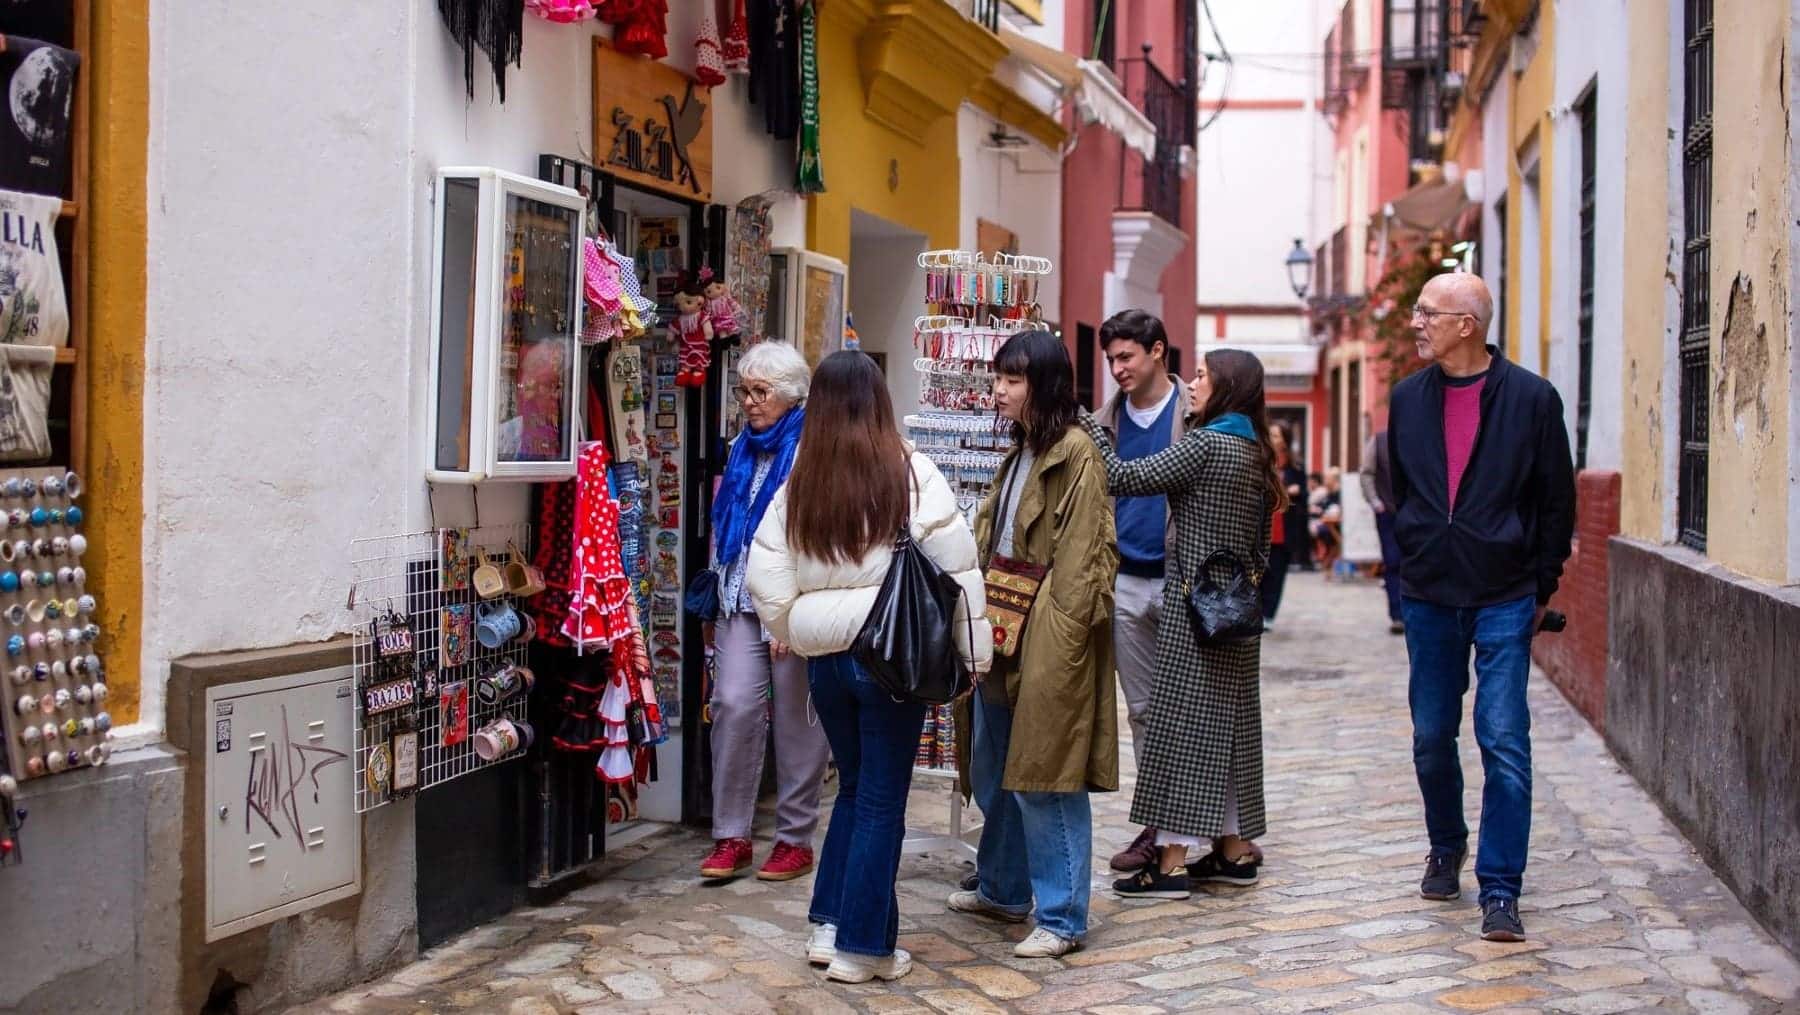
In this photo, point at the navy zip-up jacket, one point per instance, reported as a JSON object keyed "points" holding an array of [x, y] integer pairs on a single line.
{"points": [[1515, 512]]}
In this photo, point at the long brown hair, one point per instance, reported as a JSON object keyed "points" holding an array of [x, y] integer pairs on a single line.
{"points": [[1237, 386], [849, 486]]}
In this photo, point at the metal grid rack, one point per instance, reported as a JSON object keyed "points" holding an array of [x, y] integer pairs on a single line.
{"points": [[409, 575]]}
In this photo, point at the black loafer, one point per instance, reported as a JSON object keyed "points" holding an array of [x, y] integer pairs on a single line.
{"points": [[1213, 868]]}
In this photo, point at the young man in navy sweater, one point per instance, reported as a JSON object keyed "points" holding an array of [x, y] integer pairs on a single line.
{"points": [[1146, 416], [1484, 509]]}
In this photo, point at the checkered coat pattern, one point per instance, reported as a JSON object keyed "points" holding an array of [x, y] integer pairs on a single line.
{"points": [[1205, 725]]}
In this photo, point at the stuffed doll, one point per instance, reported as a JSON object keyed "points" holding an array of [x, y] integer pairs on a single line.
{"points": [[695, 333], [722, 309]]}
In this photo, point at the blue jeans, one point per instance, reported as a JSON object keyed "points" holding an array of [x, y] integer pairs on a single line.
{"points": [[1438, 640], [874, 739], [1390, 562], [1033, 845]]}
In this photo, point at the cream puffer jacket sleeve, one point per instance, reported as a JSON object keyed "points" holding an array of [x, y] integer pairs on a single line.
{"points": [[817, 607]]}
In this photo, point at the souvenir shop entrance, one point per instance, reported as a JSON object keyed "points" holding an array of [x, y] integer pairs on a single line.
{"points": [[525, 832], [671, 430]]}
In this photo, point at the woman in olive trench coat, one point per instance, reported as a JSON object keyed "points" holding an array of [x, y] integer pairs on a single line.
{"points": [[1044, 732]]}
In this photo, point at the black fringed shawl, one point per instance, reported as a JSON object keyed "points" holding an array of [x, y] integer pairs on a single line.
{"points": [[496, 27]]}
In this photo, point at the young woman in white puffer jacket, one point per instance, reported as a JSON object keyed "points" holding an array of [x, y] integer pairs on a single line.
{"points": [[819, 559]]}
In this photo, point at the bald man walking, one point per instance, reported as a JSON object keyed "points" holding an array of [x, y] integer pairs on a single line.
{"points": [[1484, 508]]}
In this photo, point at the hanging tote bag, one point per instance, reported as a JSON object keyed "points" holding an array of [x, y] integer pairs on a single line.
{"points": [[908, 643], [1225, 613], [1012, 585]]}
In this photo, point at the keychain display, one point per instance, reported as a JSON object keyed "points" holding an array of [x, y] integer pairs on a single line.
{"points": [[52, 684]]}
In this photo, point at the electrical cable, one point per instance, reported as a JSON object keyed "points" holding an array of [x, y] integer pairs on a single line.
{"points": [[1223, 56]]}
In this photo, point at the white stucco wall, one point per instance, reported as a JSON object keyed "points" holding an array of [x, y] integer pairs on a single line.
{"points": [[1264, 172], [289, 245], [1591, 52], [1016, 188]]}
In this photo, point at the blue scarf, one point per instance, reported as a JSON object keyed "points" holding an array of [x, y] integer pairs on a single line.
{"points": [[734, 516], [1234, 423]]}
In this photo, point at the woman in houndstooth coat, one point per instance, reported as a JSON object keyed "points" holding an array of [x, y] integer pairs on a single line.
{"points": [[1201, 777]]}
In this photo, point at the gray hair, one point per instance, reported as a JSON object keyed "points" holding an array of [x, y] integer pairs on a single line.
{"points": [[780, 366]]}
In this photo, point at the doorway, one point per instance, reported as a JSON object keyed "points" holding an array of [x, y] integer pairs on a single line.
{"points": [[886, 294]]}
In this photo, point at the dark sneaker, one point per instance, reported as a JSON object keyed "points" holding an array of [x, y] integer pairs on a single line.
{"points": [[1213, 868], [1140, 854], [970, 881], [1152, 883], [1443, 876], [1500, 920], [1396, 628]]}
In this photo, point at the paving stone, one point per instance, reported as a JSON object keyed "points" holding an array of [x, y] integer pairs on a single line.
{"points": [[1694, 970], [1401, 965], [1196, 976], [637, 986], [1489, 998], [443, 966], [1125, 953], [1320, 977], [997, 981], [1712, 1002], [1501, 969], [1126, 1009], [1587, 958], [1182, 960], [544, 958], [934, 948], [1600, 1004], [1600, 978], [960, 1002], [1333, 1001], [1311, 921], [1410, 987], [531, 1006], [1078, 998]]}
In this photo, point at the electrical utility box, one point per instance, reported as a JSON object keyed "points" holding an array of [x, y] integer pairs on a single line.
{"points": [[282, 833]]}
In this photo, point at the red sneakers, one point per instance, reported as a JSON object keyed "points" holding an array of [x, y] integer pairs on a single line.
{"points": [[729, 858], [786, 863]]}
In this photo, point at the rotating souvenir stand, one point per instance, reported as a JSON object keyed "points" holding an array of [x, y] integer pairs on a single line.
{"points": [[52, 686], [958, 431], [429, 693]]}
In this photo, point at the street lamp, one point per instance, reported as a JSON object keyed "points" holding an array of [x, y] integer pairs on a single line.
{"points": [[1299, 269]]}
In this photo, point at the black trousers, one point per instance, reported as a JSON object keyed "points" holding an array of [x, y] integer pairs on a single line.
{"points": [[1274, 580]]}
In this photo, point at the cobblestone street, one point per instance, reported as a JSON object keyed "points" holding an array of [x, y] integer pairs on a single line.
{"points": [[1621, 913]]}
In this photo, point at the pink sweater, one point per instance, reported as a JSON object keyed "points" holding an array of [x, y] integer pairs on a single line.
{"points": [[1462, 419]]}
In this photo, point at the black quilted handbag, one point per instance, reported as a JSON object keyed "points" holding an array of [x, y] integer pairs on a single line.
{"points": [[1225, 613], [908, 644]]}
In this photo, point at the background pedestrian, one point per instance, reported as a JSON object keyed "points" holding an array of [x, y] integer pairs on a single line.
{"points": [[1484, 509], [1048, 509], [1202, 771], [1146, 416], [756, 677], [819, 560]]}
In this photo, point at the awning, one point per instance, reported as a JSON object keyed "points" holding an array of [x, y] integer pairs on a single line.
{"points": [[1430, 207], [1100, 101], [1064, 69]]}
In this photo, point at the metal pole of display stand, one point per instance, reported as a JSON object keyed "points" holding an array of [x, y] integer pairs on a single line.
{"points": [[920, 841]]}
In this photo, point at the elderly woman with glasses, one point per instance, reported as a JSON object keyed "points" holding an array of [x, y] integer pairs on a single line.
{"points": [[757, 680]]}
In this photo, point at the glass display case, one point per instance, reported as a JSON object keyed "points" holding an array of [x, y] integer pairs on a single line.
{"points": [[506, 291], [807, 301]]}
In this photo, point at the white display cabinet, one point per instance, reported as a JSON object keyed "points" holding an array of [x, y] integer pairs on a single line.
{"points": [[506, 303], [808, 297]]}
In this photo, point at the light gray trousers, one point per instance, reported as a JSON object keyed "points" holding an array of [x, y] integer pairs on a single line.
{"points": [[1137, 609], [744, 684]]}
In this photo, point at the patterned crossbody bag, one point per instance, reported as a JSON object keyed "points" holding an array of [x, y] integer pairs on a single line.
{"points": [[1012, 585]]}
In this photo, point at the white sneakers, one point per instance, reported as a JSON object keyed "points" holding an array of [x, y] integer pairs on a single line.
{"points": [[821, 948], [972, 902], [848, 968], [1044, 945]]}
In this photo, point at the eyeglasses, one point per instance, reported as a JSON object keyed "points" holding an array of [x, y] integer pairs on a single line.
{"points": [[1421, 310], [755, 396]]}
